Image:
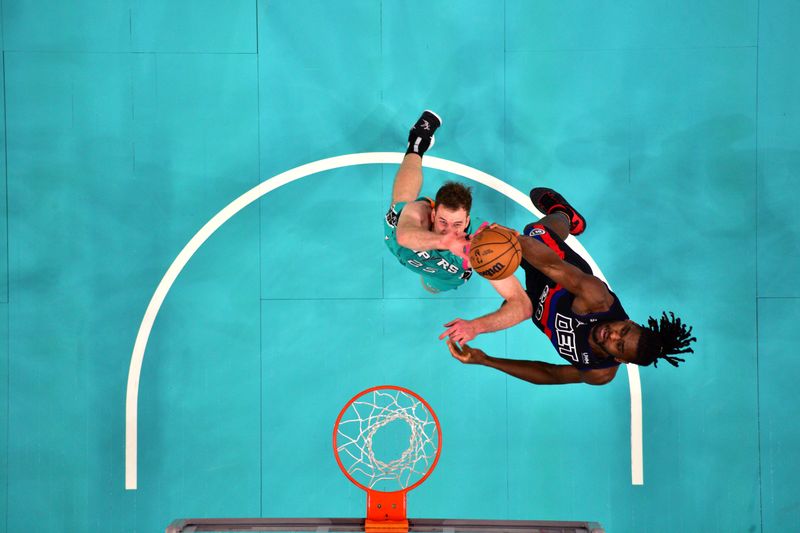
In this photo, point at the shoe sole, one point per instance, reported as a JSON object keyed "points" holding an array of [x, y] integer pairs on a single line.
{"points": [[536, 195]]}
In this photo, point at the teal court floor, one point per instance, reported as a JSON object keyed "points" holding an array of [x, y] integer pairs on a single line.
{"points": [[129, 124]]}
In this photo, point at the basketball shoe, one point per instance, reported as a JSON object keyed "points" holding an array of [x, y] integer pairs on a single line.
{"points": [[548, 201], [420, 138]]}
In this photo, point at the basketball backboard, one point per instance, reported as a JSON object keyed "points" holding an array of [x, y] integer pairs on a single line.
{"points": [[354, 525]]}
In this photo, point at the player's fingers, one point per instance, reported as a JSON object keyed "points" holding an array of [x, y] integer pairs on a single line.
{"points": [[512, 230], [449, 332], [453, 349], [458, 329]]}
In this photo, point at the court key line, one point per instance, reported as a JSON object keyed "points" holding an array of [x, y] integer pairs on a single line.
{"points": [[368, 158]]}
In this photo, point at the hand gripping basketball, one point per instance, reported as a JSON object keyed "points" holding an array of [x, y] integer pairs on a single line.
{"points": [[495, 252]]}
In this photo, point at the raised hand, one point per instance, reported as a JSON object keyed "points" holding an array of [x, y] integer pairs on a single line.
{"points": [[467, 354], [460, 331], [456, 243]]}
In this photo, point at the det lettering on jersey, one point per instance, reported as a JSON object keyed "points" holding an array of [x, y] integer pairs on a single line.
{"points": [[565, 337]]}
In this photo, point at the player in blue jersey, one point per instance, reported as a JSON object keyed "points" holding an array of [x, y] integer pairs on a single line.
{"points": [[583, 319], [429, 237]]}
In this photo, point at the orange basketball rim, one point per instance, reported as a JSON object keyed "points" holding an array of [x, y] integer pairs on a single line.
{"points": [[386, 480]]}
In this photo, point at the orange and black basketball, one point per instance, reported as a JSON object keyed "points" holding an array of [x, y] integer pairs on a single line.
{"points": [[495, 253]]}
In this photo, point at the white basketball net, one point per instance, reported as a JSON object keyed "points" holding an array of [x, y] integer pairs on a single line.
{"points": [[364, 418]]}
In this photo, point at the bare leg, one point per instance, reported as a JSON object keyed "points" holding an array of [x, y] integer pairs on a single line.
{"points": [[408, 181], [557, 222]]}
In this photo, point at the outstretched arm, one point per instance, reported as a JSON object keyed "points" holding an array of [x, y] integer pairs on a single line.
{"points": [[589, 290], [413, 232], [536, 372], [516, 308]]}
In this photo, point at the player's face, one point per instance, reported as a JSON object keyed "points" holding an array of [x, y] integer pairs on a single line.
{"points": [[449, 221], [617, 339]]}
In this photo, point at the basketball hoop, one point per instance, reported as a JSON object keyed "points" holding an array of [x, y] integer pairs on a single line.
{"points": [[361, 450], [386, 480]]}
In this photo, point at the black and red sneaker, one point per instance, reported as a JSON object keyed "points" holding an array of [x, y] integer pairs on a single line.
{"points": [[547, 201]]}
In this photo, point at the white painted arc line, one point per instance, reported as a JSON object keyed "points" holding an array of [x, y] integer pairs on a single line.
{"points": [[145, 328], [637, 449], [134, 372]]}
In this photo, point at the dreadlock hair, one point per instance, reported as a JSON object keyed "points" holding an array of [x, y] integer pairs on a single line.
{"points": [[662, 338]]}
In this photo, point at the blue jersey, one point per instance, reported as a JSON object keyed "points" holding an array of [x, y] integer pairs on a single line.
{"points": [[567, 330]]}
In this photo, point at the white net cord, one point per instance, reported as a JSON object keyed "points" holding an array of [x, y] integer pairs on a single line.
{"points": [[369, 414]]}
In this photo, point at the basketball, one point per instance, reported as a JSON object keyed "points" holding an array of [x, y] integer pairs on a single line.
{"points": [[495, 253]]}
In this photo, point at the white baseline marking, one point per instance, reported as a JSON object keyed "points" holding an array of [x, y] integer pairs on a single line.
{"points": [[369, 158]]}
